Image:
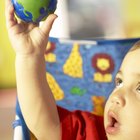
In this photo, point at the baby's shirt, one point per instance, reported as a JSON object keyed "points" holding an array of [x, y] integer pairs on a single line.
{"points": [[81, 125]]}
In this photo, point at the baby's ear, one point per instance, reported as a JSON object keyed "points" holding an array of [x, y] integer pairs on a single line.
{"points": [[135, 46]]}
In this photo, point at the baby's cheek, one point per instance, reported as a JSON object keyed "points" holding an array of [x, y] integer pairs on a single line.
{"points": [[107, 104], [106, 112]]}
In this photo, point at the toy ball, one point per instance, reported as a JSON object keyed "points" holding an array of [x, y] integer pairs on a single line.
{"points": [[34, 10]]}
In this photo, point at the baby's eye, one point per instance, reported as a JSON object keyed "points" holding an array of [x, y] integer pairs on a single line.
{"points": [[118, 82], [138, 89]]}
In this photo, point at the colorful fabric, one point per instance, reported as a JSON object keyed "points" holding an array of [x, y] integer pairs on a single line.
{"points": [[80, 73]]}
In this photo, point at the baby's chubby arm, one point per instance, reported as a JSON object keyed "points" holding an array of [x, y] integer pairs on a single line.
{"points": [[35, 97]]}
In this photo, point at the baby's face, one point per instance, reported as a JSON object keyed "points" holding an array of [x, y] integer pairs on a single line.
{"points": [[122, 110]]}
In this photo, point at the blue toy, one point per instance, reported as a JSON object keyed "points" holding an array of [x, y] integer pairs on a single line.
{"points": [[34, 10]]}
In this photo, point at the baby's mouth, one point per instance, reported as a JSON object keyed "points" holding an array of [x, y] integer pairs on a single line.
{"points": [[113, 123]]}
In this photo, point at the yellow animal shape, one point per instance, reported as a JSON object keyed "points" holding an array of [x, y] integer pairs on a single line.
{"points": [[73, 65], [55, 88], [98, 77], [103, 64], [98, 102], [103, 75]]}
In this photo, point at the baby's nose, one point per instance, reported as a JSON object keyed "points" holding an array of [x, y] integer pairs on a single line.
{"points": [[118, 100]]}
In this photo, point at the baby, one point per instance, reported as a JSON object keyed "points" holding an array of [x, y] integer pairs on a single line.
{"points": [[47, 121], [122, 108]]}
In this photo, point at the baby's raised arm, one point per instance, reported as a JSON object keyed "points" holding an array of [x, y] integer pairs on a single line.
{"points": [[35, 97]]}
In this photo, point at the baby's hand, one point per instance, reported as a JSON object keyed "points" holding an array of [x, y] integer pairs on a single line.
{"points": [[27, 38]]}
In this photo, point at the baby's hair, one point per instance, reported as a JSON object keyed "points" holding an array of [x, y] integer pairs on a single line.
{"points": [[135, 46]]}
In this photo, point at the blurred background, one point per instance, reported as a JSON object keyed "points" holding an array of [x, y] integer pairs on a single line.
{"points": [[77, 19]]}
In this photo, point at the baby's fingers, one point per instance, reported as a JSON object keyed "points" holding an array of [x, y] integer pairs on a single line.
{"points": [[9, 13], [47, 25]]}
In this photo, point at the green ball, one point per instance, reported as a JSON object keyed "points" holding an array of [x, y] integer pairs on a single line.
{"points": [[34, 10]]}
